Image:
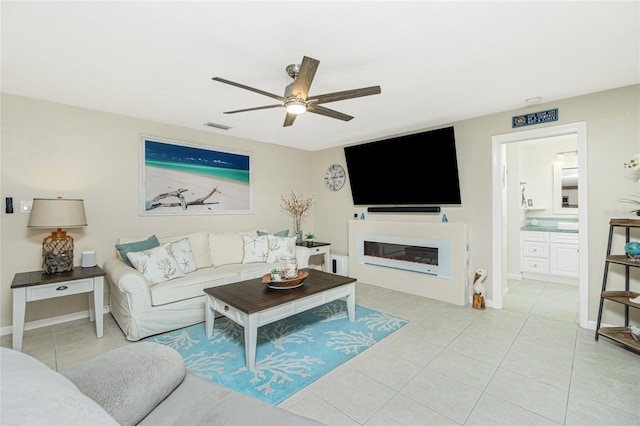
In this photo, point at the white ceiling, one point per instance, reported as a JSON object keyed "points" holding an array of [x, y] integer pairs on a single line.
{"points": [[437, 62]]}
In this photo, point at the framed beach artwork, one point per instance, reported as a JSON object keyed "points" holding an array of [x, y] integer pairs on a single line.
{"points": [[181, 178]]}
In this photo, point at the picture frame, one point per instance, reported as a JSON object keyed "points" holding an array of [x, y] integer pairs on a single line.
{"points": [[183, 178], [529, 202]]}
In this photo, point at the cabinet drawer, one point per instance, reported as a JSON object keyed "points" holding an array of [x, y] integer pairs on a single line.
{"points": [[534, 249], [531, 264], [535, 236], [59, 289], [319, 250], [564, 238]]}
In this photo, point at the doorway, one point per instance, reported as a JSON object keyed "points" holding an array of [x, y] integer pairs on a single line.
{"points": [[499, 216]]}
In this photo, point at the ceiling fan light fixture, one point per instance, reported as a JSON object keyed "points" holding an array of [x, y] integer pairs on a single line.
{"points": [[296, 106]]}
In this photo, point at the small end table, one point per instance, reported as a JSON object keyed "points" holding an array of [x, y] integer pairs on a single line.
{"points": [[318, 247], [36, 285]]}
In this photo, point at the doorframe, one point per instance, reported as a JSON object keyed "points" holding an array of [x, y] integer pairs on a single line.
{"points": [[498, 179]]}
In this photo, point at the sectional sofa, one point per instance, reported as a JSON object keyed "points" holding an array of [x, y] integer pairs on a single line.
{"points": [[145, 383]]}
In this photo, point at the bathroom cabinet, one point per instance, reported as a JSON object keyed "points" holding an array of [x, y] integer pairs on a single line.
{"points": [[551, 256]]}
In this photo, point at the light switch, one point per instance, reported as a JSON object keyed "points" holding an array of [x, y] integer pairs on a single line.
{"points": [[25, 206]]}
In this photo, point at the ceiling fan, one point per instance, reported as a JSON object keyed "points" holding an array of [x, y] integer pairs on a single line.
{"points": [[296, 99]]}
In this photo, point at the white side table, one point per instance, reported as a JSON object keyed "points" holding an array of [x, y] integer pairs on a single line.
{"points": [[318, 247], [36, 285]]}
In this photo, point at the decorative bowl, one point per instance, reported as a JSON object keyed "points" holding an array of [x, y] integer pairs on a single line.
{"points": [[633, 250], [285, 283], [635, 332]]}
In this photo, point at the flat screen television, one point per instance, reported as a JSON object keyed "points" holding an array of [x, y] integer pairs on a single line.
{"points": [[416, 169]]}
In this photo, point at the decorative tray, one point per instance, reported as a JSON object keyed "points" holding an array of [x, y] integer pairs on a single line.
{"points": [[285, 284]]}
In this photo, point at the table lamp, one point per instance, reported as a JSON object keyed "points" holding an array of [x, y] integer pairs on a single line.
{"points": [[57, 248]]}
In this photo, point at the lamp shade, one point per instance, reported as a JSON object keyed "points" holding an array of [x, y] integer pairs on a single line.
{"points": [[57, 213]]}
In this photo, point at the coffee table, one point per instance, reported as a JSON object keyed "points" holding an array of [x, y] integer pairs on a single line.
{"points": [[252, 304]]}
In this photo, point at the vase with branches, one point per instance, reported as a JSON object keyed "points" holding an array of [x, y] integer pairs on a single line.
{"points": [[298, 206]]}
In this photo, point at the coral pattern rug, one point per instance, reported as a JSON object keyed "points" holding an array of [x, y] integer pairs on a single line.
{"points": [[291, 353]]}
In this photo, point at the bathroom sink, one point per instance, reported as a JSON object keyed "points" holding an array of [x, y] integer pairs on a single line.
{"points": [[568, 225]]}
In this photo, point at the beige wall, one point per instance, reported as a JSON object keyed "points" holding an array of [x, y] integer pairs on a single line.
{"points": [[50, 150], [613, 133]]}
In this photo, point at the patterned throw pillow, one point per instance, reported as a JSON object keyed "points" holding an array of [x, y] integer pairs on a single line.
{"points": [[280, 247], [181, 252], [255, 248], [156, 264]]}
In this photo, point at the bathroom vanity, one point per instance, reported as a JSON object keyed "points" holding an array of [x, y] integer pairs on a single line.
{"points": [[550, 251]]}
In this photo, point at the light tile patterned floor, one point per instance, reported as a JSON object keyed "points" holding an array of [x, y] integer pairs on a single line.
{"points": [[528, 364]]}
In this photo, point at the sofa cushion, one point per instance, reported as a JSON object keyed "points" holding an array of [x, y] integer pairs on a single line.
{"points": [[33, 394], [283, 233], [199, 246], [192, 285], [256, 248], [125, 246], [157, 264], [181, 252], [248, 271], [129, 382], [226, 247], [280, 247]]}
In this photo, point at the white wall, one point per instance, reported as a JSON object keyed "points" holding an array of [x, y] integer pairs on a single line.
{"points": [[51, 150]]}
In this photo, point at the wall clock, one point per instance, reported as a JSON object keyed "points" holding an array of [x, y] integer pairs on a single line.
{"points": [[334, 177]]}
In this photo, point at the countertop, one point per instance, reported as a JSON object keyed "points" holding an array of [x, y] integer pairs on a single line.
{"points": [[547, 229], [548, 224]]}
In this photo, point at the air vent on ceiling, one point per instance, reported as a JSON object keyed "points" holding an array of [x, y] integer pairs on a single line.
{"points": [[217, 126]]}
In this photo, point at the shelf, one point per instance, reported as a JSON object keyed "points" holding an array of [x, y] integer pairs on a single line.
{"points": [[622, 259], [630, 223], [622, 297], [620, 335]]}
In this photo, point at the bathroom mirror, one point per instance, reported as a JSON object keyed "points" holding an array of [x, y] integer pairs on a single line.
{"points": [[565, 188]]}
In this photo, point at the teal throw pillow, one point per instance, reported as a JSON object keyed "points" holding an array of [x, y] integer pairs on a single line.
{"points": [[283, 233], [147, 244]]}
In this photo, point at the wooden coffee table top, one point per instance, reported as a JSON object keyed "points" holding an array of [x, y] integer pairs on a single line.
{"points": [[253, 296]]}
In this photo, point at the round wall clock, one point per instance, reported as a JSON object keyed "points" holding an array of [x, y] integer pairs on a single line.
{"points": [[334, 177]]}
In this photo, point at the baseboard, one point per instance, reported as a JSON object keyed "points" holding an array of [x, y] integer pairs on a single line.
{"points": [[32, 325]]}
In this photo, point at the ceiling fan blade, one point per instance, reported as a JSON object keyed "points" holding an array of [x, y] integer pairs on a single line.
{"points": [[328, 112], [289, 119], [254, 109], [308, 69], [347, 94], [252, 89]]}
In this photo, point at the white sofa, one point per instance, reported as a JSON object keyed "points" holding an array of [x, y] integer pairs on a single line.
{"points": [[142, 310]]}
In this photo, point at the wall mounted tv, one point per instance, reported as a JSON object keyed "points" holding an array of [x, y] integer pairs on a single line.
{"points": [[420, 168]]}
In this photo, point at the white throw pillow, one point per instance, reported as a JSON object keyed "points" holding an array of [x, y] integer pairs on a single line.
{"points": [[256, 248], [181, 252], [156, 264], [280, 247], [199, 242]]}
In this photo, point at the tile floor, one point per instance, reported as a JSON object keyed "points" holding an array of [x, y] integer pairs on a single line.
{"points": [[528, 364]]}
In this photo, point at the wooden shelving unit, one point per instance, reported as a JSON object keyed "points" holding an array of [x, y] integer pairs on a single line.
{"points": [[621, 335]]}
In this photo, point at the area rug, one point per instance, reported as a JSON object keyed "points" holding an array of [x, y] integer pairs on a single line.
{"points": [[291, 353]]}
